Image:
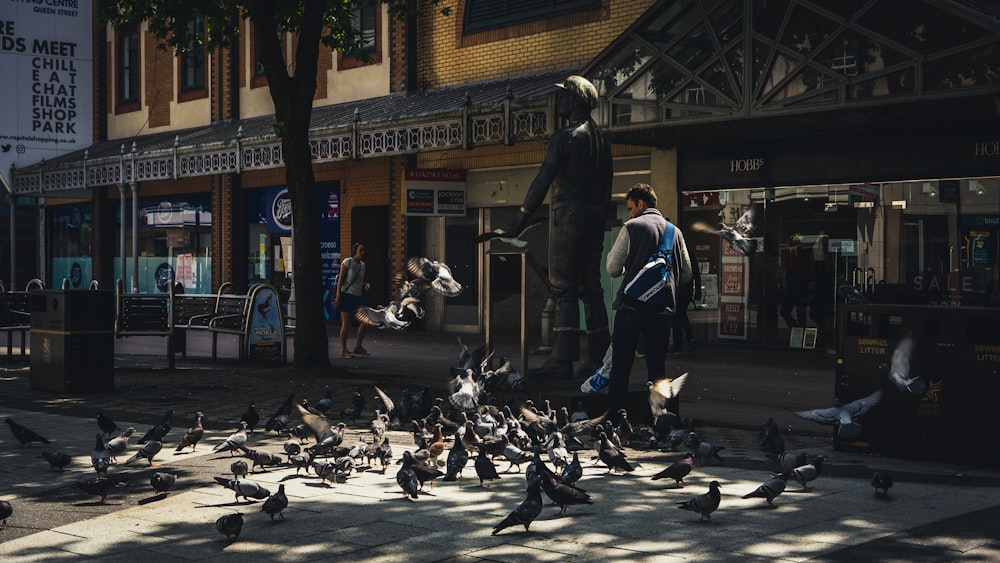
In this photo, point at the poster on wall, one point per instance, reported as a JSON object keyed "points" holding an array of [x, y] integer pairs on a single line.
{"points": [[46, 59], [435, 192], [733, 311]]}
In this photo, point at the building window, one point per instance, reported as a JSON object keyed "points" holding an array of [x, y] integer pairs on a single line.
{"points": [[192, 63], [258, 78], [367, 21], [128, 70], [481, 15]]}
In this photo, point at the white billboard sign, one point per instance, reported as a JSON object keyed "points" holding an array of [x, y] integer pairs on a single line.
{"points": [[46, 61]]}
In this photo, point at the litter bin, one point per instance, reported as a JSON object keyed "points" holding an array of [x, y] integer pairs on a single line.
{"points": [[72, 341]]}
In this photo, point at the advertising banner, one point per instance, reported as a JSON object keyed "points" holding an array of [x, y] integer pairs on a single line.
{"points": [[435, 192], [46, 60]]}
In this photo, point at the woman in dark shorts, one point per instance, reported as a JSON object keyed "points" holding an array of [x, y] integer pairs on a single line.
{"points": [[351, 286]]}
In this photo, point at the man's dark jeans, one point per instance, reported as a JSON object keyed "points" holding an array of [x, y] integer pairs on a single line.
{"points": [[629, 324]]}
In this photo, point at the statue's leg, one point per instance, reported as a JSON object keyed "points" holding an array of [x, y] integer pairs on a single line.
{"points": [[592, 294], [564, 284]]}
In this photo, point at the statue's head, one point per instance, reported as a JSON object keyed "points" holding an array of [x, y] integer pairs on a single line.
{"points": [[581, 88]]}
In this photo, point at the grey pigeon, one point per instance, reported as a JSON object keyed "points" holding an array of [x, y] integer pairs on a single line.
{"points": [[465, 391], [808, 472], [458, 457], [407, 480], [6, 510], [844, 417], [527, 511], [882, 480], [326, 403], [899, 370], [279, 420], [391, 316], [613, 457], [702, 449], [705, 503], [100, 457], [292, 447], [57, 460], [677, 470], [485, 469], [790, 460], [23, 434], [147, 452], [101, 486], [234, 441], [435, 273], [573, 471], [230, 525], [160, 430], [770, 437], [244, 488], [251, 417], [239, 468], [326, 471], [162, 482], [737, 235], [118, 445], [260, 458], [276, 504], [770, 489], [106, 424], [192, 435]]}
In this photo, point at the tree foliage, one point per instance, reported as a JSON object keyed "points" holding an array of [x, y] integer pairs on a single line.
{"points": [[292, 85]]}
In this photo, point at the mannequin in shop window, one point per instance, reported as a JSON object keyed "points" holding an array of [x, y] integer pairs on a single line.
{"points": [[796, 294], [351, 288]]}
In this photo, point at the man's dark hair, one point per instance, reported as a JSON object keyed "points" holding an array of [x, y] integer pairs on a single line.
{"points": [[642, 192]]}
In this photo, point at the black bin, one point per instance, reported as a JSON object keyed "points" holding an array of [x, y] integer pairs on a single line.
{"points": [[956, 349], [72, 341]]}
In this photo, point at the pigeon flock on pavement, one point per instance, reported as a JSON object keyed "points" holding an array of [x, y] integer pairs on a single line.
{"points": [[449, 430]]}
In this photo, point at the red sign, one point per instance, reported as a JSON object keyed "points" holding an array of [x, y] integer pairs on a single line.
{"points": [[732, 279]]}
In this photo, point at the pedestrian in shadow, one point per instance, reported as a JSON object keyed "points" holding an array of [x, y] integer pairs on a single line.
{"points": [[351, 288]]}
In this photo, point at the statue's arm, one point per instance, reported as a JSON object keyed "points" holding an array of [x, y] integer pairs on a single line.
{"points": [[546, 174]]}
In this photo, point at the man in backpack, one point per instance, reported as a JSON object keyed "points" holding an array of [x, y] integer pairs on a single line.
{"points": [[637, 241]]}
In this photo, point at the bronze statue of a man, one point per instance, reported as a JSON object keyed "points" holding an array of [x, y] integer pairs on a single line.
{"points": [[578, 166]]}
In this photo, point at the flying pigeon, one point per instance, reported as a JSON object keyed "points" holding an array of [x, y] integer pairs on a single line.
{"points": [[327, 436], [662, 390], [24, 434], [844, 417], [157, 432], [508, 236], [244, 488], [251, 417], [737, 235], [435, 273], [57, 460], [391, 316], [147, 452], [770, 489], [705, 503], [192, 435], [162, 482], [106, 424], [6, 510], [230, 525], [101, 486], [882, 480], [118, 445], [465, 391], [234, 441], [276, 504], [899, 370], [677, 470], [527, 511], [808, 472]]}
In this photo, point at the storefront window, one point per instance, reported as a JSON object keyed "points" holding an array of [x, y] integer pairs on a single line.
{"points": [[933, 242], [175, 244], [69, 238]]}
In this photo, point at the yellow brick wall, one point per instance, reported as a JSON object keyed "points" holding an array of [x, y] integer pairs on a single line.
{"points": [[158, 68], [446, 57]]}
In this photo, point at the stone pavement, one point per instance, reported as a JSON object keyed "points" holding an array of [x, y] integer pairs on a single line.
{"points": [[936, 511]]}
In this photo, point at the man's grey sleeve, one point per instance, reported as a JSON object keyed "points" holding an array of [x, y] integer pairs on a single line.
{"points": [[615, 264]]}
